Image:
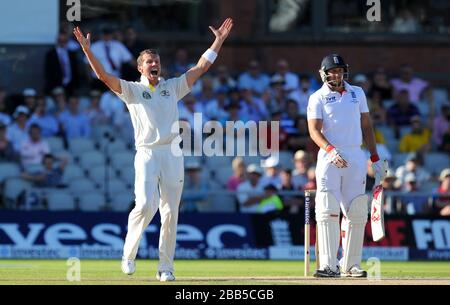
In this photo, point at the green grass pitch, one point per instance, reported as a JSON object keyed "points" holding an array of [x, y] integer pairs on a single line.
{"points": [[210, 272]]}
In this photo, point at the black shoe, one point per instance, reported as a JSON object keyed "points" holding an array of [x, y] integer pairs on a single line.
{"points": [[327, 272]]}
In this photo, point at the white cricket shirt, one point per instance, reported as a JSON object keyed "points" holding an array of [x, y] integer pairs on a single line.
{"points": [[341, 114], [154, 113]]}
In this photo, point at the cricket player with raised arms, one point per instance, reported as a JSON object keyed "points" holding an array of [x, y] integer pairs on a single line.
{"points": [[339, 123], [159, 172]]}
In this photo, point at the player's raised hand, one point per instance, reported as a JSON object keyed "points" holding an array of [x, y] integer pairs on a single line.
{"points": [[223, 31], [85, 42]]}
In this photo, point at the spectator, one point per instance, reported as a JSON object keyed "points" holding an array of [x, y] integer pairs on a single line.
{"points": [[29, 99], [442, 194], [18, 132], [206, 92], [94, 113], [215, 109], [75, 123], [301, 140], [412, 203], [362, 81], [59, 101], [381, 85], [194, 188], [181, 63], [251, 192], [47, 122], [301, 165], [7, 153], [223, 78], [312, 182], [418, 140], [413, 166], [271, 201], [405, 22], [377, 110], [5, 118], [277, 99], [254, 79], [50, 176], [111, 54], [187, 108], [111, 105], [34, 148], [289, 118], [441, 126], [400, 114], [252, 107], [413, 85], [292, 202], [61, 67], [132, 41], [135, 46], [238, 177], [272, 174], [301, 95], [291, 79]]}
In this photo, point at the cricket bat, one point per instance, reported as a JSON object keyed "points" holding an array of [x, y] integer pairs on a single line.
{"points": [[377, 214]]}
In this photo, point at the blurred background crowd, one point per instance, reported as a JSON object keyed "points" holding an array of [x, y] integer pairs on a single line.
{"points": [[69, 143]]}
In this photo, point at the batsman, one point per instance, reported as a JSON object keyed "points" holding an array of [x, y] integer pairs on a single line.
{"points": [[339, 123]]}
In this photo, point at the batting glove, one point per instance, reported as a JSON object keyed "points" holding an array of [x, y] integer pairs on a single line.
{"points": [[336, 157], [379, 167]]}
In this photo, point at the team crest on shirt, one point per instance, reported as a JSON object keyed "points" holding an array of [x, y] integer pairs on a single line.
{"points": [[146, 95], [354, 100], [165, 93]]}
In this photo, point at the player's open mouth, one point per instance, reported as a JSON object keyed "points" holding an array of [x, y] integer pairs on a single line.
{"points": [[154, 72]]}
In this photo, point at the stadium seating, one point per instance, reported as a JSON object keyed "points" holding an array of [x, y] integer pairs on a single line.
{"points": [[79, 146], [122, 159], [72, 172], [13, 188], [91, 158], [9, 170], [81, 186], [55, 143], [122, 202], [60, 200], [92, 201]]}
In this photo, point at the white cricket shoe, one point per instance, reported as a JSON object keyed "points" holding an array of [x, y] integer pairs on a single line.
{"points": [[355, 271], [165, 276], [128, 266]]}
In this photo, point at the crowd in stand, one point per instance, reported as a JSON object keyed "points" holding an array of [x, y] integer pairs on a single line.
{"points": [[42, 132]]}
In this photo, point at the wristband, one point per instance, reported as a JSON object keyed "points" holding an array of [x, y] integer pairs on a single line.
{"points": [[210, 55], [374, 158], [329, 148]]}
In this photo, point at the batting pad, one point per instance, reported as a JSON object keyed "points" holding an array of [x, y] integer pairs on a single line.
{"points": [[353, 236], [327, 218]]}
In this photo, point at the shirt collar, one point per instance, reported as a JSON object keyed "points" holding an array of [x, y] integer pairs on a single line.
{"points": [[145, 82], [326, 90]]}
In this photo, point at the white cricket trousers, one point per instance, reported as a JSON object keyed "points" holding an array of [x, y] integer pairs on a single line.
{"points": [[156, 168], [345, 184]]}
